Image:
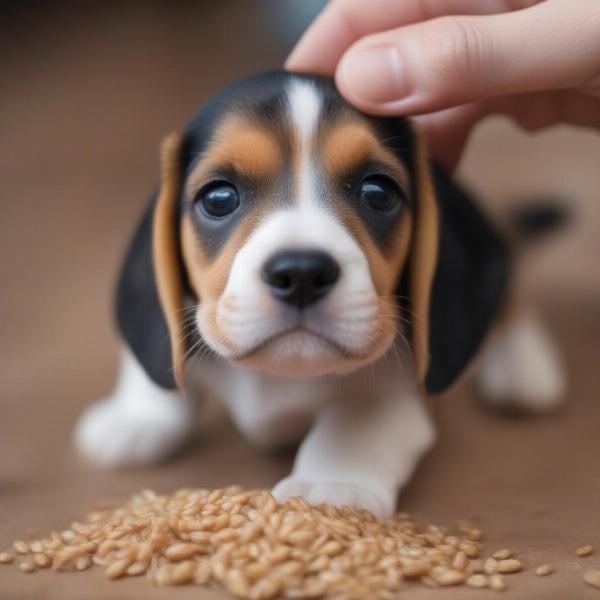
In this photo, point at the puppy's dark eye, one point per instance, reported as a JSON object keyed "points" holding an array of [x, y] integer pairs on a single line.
{"points": [[217, 200], [379, 193]]}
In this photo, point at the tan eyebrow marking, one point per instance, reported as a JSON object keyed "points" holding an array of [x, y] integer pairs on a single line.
{"points": [[346, 147], [241, 146], [349, 144]]}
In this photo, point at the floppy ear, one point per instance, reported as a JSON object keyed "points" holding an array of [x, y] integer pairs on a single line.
{"points": [[457, 279], [150, 291], [423, 256]]}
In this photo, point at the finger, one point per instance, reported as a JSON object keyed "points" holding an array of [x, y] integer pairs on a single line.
{"points": [[343, 22], [447, 132], [539, 111], [457, 60]]}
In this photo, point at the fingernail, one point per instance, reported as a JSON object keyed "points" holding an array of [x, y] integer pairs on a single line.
{"points": [[374, 75]]}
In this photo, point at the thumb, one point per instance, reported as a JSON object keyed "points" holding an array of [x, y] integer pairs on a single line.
{"points": [[456, 60]]}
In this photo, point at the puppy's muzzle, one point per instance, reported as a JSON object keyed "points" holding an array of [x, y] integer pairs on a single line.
{"points": [[300, 278]]}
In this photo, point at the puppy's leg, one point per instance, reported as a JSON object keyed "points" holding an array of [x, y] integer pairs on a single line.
{"points": [[521, 368], [361, 452], [139, 424]]}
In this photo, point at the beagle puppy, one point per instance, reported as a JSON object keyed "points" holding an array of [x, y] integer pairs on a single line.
{"points": [[309, 266]]}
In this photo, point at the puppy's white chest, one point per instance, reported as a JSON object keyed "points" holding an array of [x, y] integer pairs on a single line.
{"points": [[270, 411]]}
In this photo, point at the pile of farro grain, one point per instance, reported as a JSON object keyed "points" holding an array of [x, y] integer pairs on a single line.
{"points": [[245, 542]]}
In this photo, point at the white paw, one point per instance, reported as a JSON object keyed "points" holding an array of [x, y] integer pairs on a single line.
{"points": [[524, 394], [338, 493], [523, 370], [112, 436]]}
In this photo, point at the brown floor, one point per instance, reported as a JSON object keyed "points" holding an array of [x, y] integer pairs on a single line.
{"points": [[89, 97]]}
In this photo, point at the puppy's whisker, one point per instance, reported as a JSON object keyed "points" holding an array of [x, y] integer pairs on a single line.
{"points": [[402, 309], [402, 338], [398, 334], [192, 349], [405, 309], [207, 351], [188, 324]]}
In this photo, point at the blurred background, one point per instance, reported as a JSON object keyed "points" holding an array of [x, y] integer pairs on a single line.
{"points": [[88, 91]]}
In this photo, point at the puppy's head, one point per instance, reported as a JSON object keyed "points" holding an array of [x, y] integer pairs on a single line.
{"points": [[307, 234]]}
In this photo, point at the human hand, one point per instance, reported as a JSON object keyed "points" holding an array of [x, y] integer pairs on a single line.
{"points": [[455, 61]]}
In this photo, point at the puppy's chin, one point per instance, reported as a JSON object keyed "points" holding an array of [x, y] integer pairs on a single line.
{"points": [[298, 353], [303, 354]]}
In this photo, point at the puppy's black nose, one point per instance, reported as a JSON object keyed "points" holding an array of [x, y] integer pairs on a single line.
{"points": [[300, 277]]}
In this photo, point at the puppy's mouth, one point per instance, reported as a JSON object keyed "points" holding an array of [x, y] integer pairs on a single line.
{"points": [[304, 346], [301, 336], [302, 352]]}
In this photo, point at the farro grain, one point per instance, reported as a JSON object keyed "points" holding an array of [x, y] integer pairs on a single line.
{"points": [[36, 546], [510, 565], [182, 551], [6, 558], [265, 589], [460, 561], [416, 569], [543, 570], [203, 572], [497, 582], [319, 564], [27, 566], [162, 575], [117, 569], [332, 576], [237, 584], [291, 568], [21, 547], [429, 581], [247, 543], [278, 555], [451, 577], [477, 581], [85, 562], [584, 550], [592, 578], [471, 549], [490, 566], [301, 538], [42, 560], [183, 572], [136, 568], [331, 548]]}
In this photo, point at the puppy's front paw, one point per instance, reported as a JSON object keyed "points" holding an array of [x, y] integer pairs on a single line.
{"points": [[338, 493], [111, 436]]}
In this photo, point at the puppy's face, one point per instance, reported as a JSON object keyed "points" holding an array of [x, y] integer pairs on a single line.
{"points": [[296, 222]]}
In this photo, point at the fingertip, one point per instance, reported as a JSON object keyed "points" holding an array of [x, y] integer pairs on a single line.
{"points": [[367, 76], [304, 61], [301, 57], [292, 63], [306, 58], [321, 46]]}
